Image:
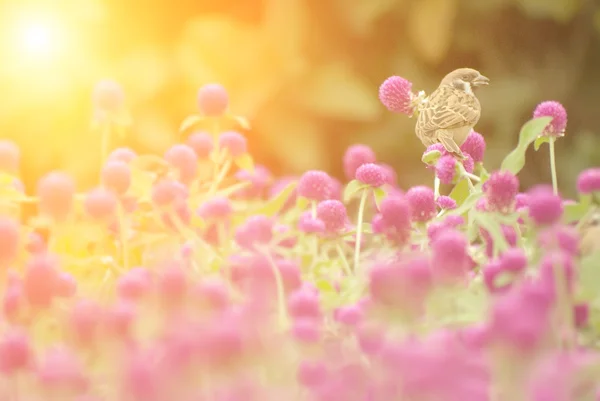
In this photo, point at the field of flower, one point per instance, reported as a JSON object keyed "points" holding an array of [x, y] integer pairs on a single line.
{"points": [[198, 276]]}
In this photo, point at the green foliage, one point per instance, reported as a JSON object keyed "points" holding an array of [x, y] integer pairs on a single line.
{"points": [[515, 160]]}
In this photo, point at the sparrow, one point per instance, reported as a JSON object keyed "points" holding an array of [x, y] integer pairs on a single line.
{"points": [[449, 114]]}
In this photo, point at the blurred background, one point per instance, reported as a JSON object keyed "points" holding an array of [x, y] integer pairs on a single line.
{"points": [[305, 73]]}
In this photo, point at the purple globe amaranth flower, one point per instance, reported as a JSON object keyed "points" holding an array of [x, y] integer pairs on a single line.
{"points": [[217, 208], [561, 237], [315, 185], [581, 315], [450, 260], [201, 143], [509, 233], [545, 208], [468, 163], [124, 155], [256, 230], [108, 96], [333, 213], [310, 225], [395, 212], [183, 159], [513, 260], [589, 181], [558, 263], [445, 169], [371, 174], [395, 93], [446, 203], [501, 190], [356, 156], [422, 203], [558, 113], [213, 100], [259, 179], [234, 142], [474, 146], [391, 178], [521, 201]]}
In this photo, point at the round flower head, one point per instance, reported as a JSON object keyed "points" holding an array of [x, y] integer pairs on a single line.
{"points": [[501, 190], [446, 203], [513, 260], [395, 93], [100, 204], [234, 142], [116, 176], [371, 174], [315, 185], [558, 113], [450, 256], [445, 169], [468, 163], [124, 155], [15, 351], [589, 181], [217, 208], [202, 143], [9, 241], [545, 208], [474, 146], [9, 156], [166, 192], [356, 156], [396, 212], [333, 214], [565, 238], [422, 203], [108, 96], [256, 230], [213, 100], [260, 179], [308, 224], [56, 192], [184, 160], [521, 201]]}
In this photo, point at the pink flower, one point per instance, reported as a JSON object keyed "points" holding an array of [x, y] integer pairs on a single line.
{"points": [[333, 214], [560, 237], [134, 284], [15, 351], [56, 192], [474, 146], [124, 155], [310, 225], [501, 190], [108, 96], [514, 260], [10, 156], [216, 209], [40, 279], [422, 203], [395, 218], [446, 203], [256, 230], [315, 185], [213, 100], [312, 373], [201, 143], [116, 176], [304, 304], [9, 241], [545, 208], [445, 169], [101, 204], [395, 93], [371, 174], [184, 160], [589, 181], [356, 156], [60, 368], [349, 315], [259, 180], [233, 142], [306, 330], [450, 260], [391, 178], [558, 113]]}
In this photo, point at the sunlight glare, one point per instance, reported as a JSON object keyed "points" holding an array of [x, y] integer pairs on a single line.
{"points": [[39, 36]]}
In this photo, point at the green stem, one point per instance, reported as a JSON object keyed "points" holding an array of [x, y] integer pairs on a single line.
{"points": [[553, 166], [220, 175], [343, 258], [123, 236], [436, 186], [359, 221], [281, 307]]}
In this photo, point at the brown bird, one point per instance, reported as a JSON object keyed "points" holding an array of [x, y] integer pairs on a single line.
{"points": [[451, 111]]}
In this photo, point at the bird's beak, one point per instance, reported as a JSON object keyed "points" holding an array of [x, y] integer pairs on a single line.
{"points": [[481, 80]]}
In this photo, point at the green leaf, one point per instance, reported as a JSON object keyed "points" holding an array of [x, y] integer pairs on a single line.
{"points": [[575, 212], [431, 157], [302, 203], [539, 141], [351, 188], [487, 222], [275, 204], [515, 160], [191, 122], [467, 204], [380, 194], [241, 121], [460, 192], [245, 162]]}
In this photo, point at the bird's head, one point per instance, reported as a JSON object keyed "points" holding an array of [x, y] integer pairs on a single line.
{"points": [[465, 79]]}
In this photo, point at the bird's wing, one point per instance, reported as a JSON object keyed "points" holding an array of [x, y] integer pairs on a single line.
{"points": [[448, 108]]}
